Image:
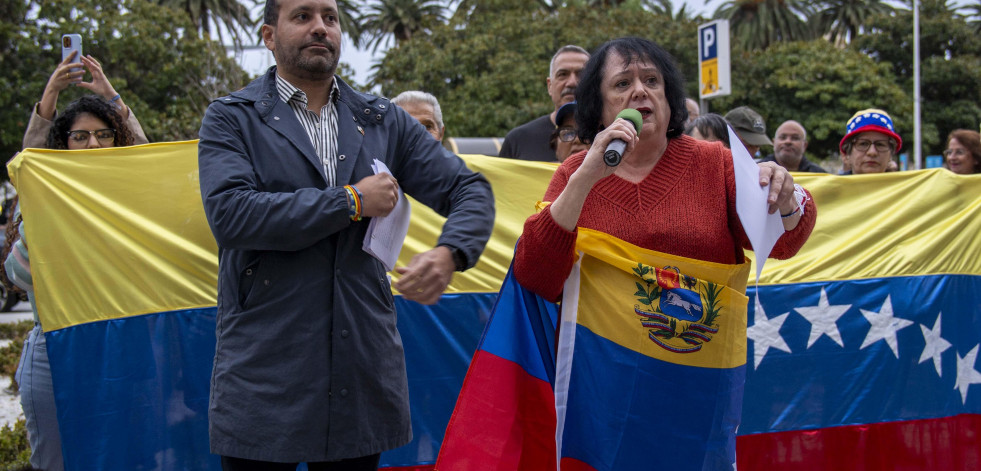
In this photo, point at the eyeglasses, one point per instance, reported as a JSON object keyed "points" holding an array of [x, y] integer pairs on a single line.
{"points": [[104, 136], [880, 146], [567, 134], [950, 152]]}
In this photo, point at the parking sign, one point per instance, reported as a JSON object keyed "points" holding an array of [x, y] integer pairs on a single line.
{"points": [[713, 59]]}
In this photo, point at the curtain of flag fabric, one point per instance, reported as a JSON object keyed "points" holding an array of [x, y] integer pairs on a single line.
{"points": [[861, 354]]}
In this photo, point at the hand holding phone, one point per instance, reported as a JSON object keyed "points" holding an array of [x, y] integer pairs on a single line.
{"points": [[72, 43]]}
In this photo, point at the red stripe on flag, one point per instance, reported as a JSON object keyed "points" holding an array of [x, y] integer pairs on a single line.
{"points": [[421, 467], [572, 464], [504, 420], [949, 443]]}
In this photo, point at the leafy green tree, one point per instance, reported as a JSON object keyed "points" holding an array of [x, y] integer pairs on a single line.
{"points": [[817, 84], [950, 64], [232, 14], [167, 74], [843, 20], [756, 24], [488, 67], [400, 19]]}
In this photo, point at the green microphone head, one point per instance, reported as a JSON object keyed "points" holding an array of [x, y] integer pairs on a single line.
{"points": [[614, 150], [633, 116]]}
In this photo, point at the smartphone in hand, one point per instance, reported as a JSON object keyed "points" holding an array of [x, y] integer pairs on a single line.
{"points": [[69, 43]]}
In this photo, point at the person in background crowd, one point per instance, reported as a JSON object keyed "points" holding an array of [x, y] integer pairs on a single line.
{"points": [[90, 122], [565, 138], [44, 112], [709, 127], [870, 142], [530, 140], [750, 128], [693, 110], [424, 107], [309, 365], [789, 144], [963, 153]]}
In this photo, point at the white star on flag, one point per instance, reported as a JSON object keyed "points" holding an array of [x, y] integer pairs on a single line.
{"points": [[884, 327], [966, 374], [935, 344], [765, 334], [823, 319]]}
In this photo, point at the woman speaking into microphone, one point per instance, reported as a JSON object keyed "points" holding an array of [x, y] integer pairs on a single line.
{"points": [[669, 198]]}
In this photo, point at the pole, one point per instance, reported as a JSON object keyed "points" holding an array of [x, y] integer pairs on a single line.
{"points": [[917, 148]]}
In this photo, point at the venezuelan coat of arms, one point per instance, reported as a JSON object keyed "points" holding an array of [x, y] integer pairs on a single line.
{"points": [[680, 312]]}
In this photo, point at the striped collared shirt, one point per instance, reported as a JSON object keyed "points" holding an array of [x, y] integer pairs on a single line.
{"points": [[322, 128]]}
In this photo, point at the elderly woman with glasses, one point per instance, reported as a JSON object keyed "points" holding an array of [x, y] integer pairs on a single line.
{"points": [[963, 153], [870, 143], [90, 122]]}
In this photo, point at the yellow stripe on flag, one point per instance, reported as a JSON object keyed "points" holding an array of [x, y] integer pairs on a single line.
{"points": [[671, 308]]}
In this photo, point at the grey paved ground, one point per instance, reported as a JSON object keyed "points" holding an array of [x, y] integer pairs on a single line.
{"points": [[22, 311]]}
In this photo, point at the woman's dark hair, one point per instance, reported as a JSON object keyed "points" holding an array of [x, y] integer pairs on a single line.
{"points": [[970, 140], [95, 106], [589, 93], [710, 123]]}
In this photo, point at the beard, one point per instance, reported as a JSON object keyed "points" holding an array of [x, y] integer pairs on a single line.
{"points": [[311, 66]]}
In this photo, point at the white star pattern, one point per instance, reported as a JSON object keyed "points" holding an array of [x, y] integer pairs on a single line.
{"points": [[935, 344], [966, 374], [823, 319], [765, 334], [884, 327]]}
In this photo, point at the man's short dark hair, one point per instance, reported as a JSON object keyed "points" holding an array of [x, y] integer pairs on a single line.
{"points": [[589, 96], [271, 14]]}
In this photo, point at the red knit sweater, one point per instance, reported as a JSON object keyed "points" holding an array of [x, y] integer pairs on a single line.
{"points": [[686, 206]]}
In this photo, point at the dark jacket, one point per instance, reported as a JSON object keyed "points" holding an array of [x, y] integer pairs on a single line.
{"points": [[309, 364], [805, 165]]}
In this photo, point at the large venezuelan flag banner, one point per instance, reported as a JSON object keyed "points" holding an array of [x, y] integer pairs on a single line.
{"points": [[125, 271], [861, 355]]}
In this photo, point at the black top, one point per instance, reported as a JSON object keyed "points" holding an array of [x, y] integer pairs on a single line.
{"points": [[805, 165], [530, 141]]}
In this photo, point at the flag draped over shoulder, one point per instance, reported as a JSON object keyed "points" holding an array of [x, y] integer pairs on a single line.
{"points": [[650, 360]]}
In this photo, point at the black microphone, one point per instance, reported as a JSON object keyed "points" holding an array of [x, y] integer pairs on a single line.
{"points": [[614, 150]]}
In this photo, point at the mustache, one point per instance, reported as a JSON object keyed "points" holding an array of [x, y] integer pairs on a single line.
{"points": [[329, 45], [568, 91]]}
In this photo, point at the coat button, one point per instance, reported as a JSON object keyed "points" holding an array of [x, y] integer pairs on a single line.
{"points": [[378, 117], [248, 272], [343, 392], [345, 333], [341, 157], [367, 111], [381, 107]]}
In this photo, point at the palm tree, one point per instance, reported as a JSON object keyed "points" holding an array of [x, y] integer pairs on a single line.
{"points": [[842, 20], [666, 8], [231, 16], [756, 24], [400, 19], [974, 15]]}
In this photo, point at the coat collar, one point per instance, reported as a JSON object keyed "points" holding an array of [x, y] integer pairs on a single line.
{"points": [[359, 115]]}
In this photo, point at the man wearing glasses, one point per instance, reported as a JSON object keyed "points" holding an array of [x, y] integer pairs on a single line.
{"points": [[870, 143]]}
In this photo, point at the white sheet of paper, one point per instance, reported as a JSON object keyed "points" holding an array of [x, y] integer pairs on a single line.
{"points": [[762, 228], [386, 234]]}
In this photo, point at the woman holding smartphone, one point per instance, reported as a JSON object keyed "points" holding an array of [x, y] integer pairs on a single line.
{"points": [[89, 122], [44, 112]]}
